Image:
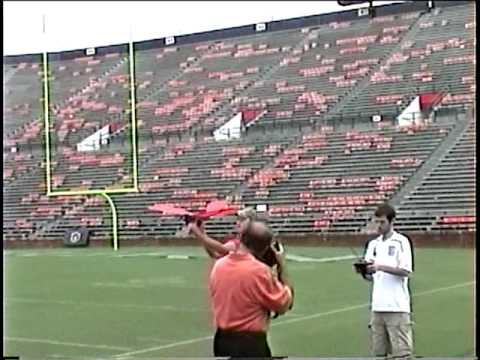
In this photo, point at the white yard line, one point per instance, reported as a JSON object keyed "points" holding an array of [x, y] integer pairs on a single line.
{"points": [[153, 339], [53, 342], [306, 259], [125, 306], [302, 318], [47, 252], [348, 308], [171, 255], [185, 342]]}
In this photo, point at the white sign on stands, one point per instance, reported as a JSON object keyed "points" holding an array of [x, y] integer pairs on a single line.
{"points": [[230, 130], [170, 40], [90, 51], [93, 142], [411, 115], [261, 208], [363, 12], [377, 118], [104, 138], [260, 27]]}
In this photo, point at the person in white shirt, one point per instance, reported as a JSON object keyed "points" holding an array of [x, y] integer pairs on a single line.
{"points": [[390, 263]]}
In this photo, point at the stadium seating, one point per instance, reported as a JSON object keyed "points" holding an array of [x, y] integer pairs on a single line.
{"points": [[446, 197], [336, 57], [313, 155], [22, 96], [439, 55]]}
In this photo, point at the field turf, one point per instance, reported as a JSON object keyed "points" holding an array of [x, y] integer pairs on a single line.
{"points": [[98, 303]]}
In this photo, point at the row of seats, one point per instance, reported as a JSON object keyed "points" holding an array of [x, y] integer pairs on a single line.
{"points": [[337, 194]]}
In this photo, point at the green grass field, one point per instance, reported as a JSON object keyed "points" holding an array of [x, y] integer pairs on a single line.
{"points": [[98, 303]]}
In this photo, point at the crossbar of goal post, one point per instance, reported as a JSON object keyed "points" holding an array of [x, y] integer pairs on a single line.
{"points": [[105, 193]]}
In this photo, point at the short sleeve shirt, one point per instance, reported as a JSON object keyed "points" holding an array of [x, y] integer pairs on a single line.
{"points": [[244, 291], [390, 292]]}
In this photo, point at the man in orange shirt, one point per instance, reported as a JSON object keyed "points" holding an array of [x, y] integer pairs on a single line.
{"points": [[244, 291]]}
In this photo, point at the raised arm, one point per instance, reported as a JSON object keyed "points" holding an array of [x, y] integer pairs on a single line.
{"points": [[214, 248], [271, 293]]}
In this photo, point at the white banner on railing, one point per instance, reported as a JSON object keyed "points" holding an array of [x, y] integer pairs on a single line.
{"points": [[94, 141], [411, 115], [230, 130]]}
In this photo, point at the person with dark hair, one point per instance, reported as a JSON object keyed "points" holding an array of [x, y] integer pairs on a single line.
{"points": [[389, 259], [244, 291]]}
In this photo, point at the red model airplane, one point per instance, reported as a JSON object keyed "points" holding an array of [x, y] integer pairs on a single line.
{"points": [[213, 209]]}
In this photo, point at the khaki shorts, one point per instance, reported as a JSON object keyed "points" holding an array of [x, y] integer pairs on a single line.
{"points": [[391, 333]]}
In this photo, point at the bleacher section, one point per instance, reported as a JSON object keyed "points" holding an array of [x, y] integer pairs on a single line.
{"points": [[22, 94], [210, 76], [314, 156], [340, 193], [445, 200], [335, 58], [440, 57]]}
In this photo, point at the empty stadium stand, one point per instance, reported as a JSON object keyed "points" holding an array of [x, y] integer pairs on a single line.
{"points": [[311, 152]]}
